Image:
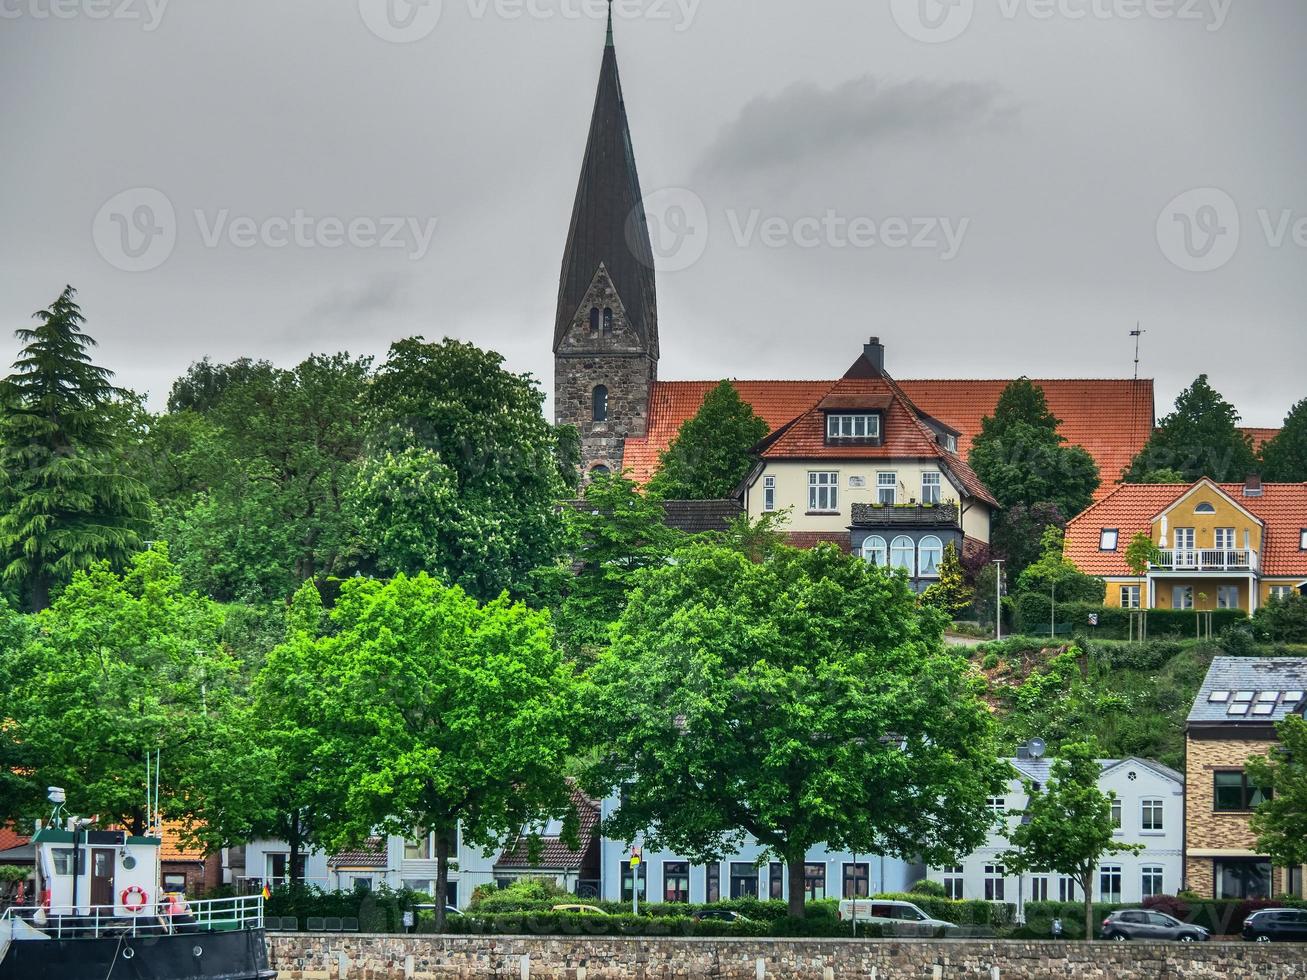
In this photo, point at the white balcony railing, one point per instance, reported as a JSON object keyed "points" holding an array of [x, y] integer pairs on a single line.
{"points": [[1206, 560], [92, 922]]}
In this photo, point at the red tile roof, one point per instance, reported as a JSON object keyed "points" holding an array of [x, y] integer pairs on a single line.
{"points": [[1131, 508], [1260, 437], [11, 838], [1111, 419], [554, 854], [371, 855]]}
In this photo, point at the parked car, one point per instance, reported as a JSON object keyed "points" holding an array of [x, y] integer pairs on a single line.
{"points": [[1158, 926], [1276, 925], [579, 909], [719, 915], [894, 918]]}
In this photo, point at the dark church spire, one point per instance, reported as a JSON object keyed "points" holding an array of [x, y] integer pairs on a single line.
{"points": [[609, 228]]}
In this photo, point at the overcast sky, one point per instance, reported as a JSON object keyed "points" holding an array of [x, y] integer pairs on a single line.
{"points": [[996, 188]]}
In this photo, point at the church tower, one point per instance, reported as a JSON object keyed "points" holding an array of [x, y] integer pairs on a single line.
{"points": [[606, 331]]}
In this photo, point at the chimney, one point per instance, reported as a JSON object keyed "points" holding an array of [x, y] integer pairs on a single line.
{"points": [[874, 352], [1252, 487]]}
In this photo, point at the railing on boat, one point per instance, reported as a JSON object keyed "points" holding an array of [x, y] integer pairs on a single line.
{"points": [[92, 922]]}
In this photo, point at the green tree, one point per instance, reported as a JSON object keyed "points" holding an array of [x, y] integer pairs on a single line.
{"points": [[1056, 574], [1284, 458], [1018, 531], [1140, 553], [1282, 620], [429, 712], [118, 667], [710, 455], [950, 594], [1200, 438], [1158, 477], [1022, 458], [65, 501], [1067, 825], [800, 700], [1280, 823], [614, 533], [204, 384], [452, 410]]}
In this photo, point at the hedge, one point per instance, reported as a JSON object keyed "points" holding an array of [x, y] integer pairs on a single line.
{"points": [[379, 911], [1031, 613], [574, 924], [967, 912], [750, 908]]}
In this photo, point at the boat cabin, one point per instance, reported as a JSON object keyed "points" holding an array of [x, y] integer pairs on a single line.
{"points": [[84, 870]]}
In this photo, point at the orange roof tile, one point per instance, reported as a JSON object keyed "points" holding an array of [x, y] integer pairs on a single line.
{"points": [[1111, 419], [1260, 437], [1130, 508], [172, 848], [11, 838]]}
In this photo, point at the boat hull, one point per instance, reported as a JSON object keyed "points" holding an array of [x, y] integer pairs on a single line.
{"points": [[238, 955]]}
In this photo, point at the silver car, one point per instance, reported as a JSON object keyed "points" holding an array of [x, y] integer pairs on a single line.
{"points": [[1155, 926]]}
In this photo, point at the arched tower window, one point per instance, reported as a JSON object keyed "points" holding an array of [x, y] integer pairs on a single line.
{"points": [[608, 321], [594, 321], [600, 470], [599, 404]]}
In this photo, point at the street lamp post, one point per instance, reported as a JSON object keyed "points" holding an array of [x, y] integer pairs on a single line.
{"points": [[998, 600]]}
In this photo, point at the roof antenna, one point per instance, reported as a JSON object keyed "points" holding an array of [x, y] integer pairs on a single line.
{"points": [[610, 23], [1138, 335]]}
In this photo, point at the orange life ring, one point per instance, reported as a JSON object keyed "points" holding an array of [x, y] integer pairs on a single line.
{"points": [[134, 906]]}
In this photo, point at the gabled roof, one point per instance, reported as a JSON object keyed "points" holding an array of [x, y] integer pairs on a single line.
{"points": [[1131, 509], [1040, 770], [1255, 674], [1111, 419], [698, 516], [609, 225], [554, 854], [371, 855], [1207, 486]]}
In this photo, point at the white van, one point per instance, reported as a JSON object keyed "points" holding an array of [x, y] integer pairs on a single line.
{"points": [[894, 917]]}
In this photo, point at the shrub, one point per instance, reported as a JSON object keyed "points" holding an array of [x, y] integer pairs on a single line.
{"points": [[1282, 620], [522, 890], [1031, 614], [927, 887], [991, 661], [970, 912], [1170, 905]]}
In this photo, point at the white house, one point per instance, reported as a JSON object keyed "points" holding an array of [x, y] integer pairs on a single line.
{"points": [[1149, 810]]}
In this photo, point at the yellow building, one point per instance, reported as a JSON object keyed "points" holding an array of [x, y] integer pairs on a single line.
{"points": [[1216, 546]]}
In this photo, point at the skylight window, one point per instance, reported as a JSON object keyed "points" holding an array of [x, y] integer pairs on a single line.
{"points": [[1292, 697], [1244, 695], [1238, 708], [1264, 709], [1271, 696], [1218, 697], [1108, 539]]}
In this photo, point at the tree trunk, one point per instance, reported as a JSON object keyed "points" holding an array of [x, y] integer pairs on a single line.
{"points": [[798, 884], [442, 878], [1089, 907], [296, 845], [40, 594]]}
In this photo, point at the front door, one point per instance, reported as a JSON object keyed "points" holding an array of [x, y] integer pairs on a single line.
{"points": [[102, 875]]}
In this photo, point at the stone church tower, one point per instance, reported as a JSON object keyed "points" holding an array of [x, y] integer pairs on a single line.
{"points": [[606, 332]]}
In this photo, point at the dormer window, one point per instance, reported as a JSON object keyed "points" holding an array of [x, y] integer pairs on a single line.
{"points": [[1108, 539], [949, 442], [862, 425]]}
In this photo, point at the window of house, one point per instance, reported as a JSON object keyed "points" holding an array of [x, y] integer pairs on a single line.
{"points": [[1109, 884], [1152, 880], [676, 881], [1281, 591], [608, 322], [600, 470], [857, 880], [903, 554], [424, 886], [953, 882], [875, 551], [1242, 878], [1116, 814], [1039, 889], [1131, 597], [1302, 540], [363, 885], [776, 880], [744, 880], [1227, 597], [859, 426], [814, 882], [931, 554], [1205, 508], [274, 866], [629, 879], [1066, 889], [713, 882], [931, 488], [769, 493], [594, 321], [997, 805], [1152, 816], [1233, 793], [949, 442], [418, 849], [1182, 597], [599, 404], [1224, 539], [1108, 539], [823, 492], [887, 489], [995, 882]]}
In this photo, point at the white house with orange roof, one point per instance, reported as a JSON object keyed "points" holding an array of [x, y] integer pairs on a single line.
{"points": [[1216, 546]]}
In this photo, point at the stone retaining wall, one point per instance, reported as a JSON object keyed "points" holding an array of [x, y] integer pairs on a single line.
{"points": [[367, 957]]}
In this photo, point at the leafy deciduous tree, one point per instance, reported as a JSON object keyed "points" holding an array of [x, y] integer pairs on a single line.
{"points": [[800, 700], [710, 455], [1200, 438], [1281, 822], [1284, 458], [950, 594]]}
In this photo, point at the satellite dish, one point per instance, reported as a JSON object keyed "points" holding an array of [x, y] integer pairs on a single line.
{"points": [[1037, 748]]}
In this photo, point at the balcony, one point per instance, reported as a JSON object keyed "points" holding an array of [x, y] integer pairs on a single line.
{"points": [[1204, 560], [905, 515]]}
